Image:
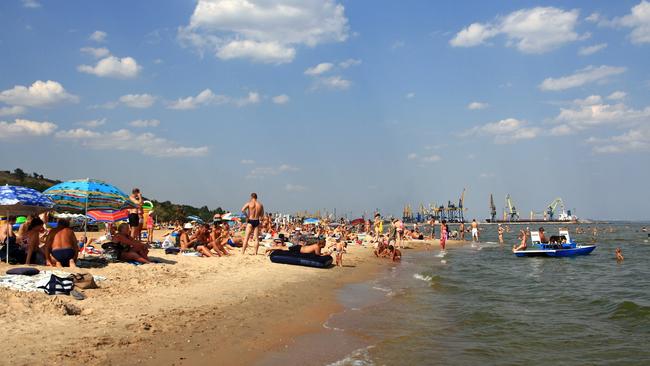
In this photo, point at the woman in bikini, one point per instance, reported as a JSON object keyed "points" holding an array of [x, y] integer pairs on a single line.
{"points": [[29, 239], [132, 250]]}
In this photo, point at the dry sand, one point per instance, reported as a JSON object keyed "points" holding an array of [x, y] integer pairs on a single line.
{"points": [[185, 311]]}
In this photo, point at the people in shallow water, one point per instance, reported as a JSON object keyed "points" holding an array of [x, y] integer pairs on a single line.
{"points": [[619, 255], [522, 245], [500, 231]]}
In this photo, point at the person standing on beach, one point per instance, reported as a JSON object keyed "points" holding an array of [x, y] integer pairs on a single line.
{"points": [[432, 223], [136, 213], [254, 211], [475, 234]]}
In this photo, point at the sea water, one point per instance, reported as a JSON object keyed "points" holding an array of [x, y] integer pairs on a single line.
{"points": [[479, 304]]}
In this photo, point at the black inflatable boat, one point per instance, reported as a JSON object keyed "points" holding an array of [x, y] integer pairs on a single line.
{"points": [[299, 259]]}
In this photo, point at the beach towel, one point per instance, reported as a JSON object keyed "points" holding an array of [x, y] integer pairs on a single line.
{"points": [[31, 283]]}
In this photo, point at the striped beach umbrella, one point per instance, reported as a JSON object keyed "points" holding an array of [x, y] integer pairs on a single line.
{"points": [[88, 195], [108, 216]]}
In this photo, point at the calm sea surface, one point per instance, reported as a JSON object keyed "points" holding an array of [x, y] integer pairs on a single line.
{"points": [[482, 305]]}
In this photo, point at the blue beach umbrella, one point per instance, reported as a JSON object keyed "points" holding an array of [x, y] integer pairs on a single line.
{"points": [[15, 200], [311, 221]]}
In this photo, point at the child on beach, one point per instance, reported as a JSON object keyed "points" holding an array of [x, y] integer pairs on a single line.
{"points": [[339, 250], [443, 234], [394, 253]]}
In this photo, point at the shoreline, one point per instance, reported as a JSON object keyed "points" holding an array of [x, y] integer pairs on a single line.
{"points": [[187, 311]]}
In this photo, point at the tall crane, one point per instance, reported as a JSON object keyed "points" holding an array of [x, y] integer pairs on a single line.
{"points": [[461, 202], [512, 210], [493, 210], [550, 209]]}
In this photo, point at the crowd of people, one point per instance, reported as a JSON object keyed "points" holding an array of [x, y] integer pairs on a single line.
{"points": [[35, 243]]}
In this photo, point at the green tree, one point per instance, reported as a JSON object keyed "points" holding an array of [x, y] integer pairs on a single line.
{"points": [[20, 174]]}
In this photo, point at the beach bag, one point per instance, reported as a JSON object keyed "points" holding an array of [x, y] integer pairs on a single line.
{"points": [[58, 285], [112, 252], [84, 281], [169, 242]]}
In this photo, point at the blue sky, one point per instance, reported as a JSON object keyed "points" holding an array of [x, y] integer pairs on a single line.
{"points": [[350, 105]]}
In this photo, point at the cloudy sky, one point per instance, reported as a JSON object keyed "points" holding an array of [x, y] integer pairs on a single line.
{"points": [[352, 105]]}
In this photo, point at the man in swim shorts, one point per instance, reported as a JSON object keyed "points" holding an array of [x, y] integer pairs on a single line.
{"points": [[61, 248], [475, 233], [254, 211], [135, 214]]}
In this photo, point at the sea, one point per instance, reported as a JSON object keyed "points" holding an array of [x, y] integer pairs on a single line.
{"points": [[478, 304]]}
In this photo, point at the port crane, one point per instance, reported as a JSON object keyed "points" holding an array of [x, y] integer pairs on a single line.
{"points": [[550, 209], [493, 210], [513, 215]]}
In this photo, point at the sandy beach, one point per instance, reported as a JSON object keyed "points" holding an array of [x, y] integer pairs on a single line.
{"points": [[183, 311]]}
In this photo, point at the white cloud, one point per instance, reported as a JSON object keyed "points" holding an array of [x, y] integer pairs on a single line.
{"points": [[332, 82], [486, 175], [247, 162], [12, 111], [115, 67], [593, 112], [262, 172], [146, 143], [397, 44], [31, 4], [410, 95], [23, 128], [39, 94], [265, 52], [288, 168], [143, 123], [93, 123], [639, 21], [505, 131], [98, 36], [431, 158], [590, 50], [96, 52], [294, 188], [203, 98], [138, 100], [536, 30], [349, 63], [589, 74], [281, 99], [319, 69], [251, 98], [424, 159], [477, 105], [636, 139], [264, 31], [617, 95], [207, 97]]}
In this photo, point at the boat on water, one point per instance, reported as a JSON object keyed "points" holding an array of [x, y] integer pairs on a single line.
{"points": [[557, 246]]}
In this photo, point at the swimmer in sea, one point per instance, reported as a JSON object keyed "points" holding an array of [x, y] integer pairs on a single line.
{"points": [[619, 255], [254, 211], [522, 246]]}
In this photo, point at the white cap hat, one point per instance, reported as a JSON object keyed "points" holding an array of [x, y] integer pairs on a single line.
{"points": [[187, 226]]}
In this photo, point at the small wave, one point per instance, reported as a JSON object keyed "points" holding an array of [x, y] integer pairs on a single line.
{"points": [[631, 311], [442, 254], [382, 289], [422, 277], [360, 357]]}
